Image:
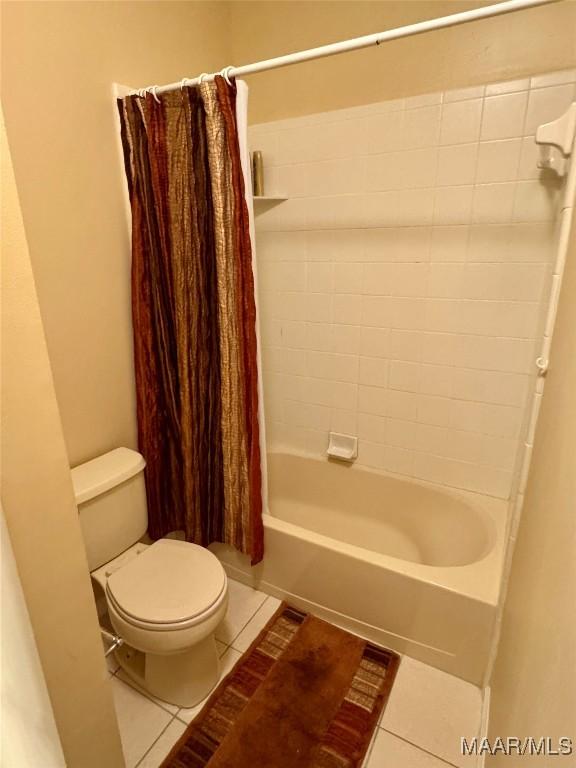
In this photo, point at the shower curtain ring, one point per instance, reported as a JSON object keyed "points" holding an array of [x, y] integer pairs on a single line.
{"points": [[183, 83], [152, 89], [225, 73], [204, 74]]}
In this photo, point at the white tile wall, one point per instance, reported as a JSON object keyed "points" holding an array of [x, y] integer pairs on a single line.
{"points": [[402, 283]]}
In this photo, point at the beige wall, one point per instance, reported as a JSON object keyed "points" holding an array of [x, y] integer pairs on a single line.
{"points": [[59, 60], [534, 683], [41, 515], [540, 39]]}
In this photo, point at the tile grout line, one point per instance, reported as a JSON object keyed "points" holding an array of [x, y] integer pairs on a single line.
{"points": [[230, 644], [168, 724], [185, 722], [417, 746]]}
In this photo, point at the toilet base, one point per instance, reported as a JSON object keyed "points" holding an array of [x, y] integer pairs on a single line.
{"points": [[183, 679]]}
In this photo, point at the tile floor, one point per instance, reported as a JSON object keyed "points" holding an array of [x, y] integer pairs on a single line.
{"points": [[427, 712]]}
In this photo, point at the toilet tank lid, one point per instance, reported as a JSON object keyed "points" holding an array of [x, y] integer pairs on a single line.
{"points": [[105, 472]]}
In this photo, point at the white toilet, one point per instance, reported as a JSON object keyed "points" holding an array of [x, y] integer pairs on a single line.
{"points": [[165, 599]]}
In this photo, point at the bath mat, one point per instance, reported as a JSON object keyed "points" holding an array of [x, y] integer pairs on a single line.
{"points": [[305, 695]]}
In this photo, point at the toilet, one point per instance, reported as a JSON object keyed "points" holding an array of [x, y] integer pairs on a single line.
{"points": [[166, 599]]}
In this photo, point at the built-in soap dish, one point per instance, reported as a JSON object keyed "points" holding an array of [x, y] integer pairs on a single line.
{"points": [[342, 447]]}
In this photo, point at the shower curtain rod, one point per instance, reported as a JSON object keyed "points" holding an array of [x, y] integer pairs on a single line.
{"points": [[356, 43]]}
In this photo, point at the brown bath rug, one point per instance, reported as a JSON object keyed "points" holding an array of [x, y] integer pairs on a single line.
{"points": [[305, 695]]}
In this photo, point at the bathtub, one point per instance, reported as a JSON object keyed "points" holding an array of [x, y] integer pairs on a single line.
{"points": [[407, 564]]}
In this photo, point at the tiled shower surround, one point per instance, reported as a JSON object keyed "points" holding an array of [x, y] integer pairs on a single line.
{"points": [[402, 284]]}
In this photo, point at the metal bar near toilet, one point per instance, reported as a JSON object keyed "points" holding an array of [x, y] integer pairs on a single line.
{"points": [[114, 640]]}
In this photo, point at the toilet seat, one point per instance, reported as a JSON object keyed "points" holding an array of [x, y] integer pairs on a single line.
{"points": [[170, 585]]}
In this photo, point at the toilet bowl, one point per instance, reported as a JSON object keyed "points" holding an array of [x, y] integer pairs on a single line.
{"points": [[166, 599]]}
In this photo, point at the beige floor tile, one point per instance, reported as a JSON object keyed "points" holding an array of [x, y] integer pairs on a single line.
{"points": [[366, 761], [122, 675], [433, 710], [139, 719], [389, 751], [243, 602], [163, 745], [268, 608], [229, 658]]}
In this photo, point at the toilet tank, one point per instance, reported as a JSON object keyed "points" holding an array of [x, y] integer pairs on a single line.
{"points": [[111, 500]]}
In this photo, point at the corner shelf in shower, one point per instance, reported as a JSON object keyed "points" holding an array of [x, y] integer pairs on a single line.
{"points": [[269, 198]]}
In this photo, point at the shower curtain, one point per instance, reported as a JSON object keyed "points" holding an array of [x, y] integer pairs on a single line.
{"points": [[194, 315]]}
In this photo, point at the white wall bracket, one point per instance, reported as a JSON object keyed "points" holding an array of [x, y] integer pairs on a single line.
{"points": [[542, 366], [559, 133]]}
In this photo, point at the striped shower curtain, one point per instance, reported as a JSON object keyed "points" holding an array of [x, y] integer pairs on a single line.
{"points": [[194, 316]]}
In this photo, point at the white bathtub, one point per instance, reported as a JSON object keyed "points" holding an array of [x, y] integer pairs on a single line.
{"points": [[410, 565]]}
